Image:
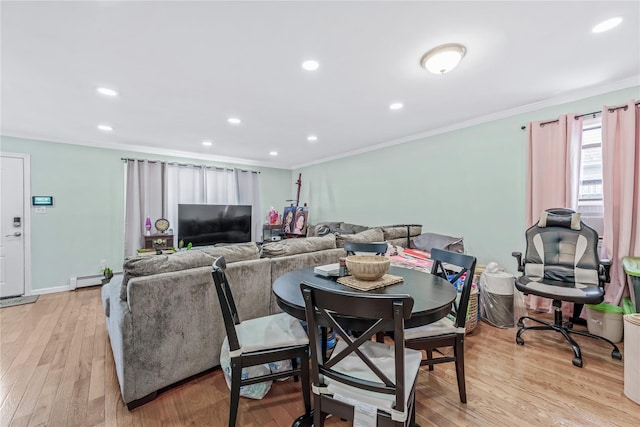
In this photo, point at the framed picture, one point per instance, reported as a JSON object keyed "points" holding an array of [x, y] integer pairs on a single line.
{"points": [[300, 222], [287, 219]]}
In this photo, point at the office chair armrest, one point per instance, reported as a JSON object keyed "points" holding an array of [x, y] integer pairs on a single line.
{"points": [[518, 257], [603, 273]]}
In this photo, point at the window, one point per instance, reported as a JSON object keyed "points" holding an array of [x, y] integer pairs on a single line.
{"points": [[590, 201]]}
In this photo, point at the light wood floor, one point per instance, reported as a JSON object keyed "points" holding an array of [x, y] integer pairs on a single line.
{"points": [[56, 369]]}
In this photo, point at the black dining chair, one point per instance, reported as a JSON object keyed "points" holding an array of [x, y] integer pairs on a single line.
{"points": [[353, 248], [359, 247], [449, 331], [361, 371], [258, 341]]}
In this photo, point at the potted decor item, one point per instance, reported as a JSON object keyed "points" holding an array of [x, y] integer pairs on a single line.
{"points": [[108, 274]]}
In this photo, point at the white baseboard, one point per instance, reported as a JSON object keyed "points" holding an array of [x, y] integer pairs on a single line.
{"points": [[74, 283], [50, 290]]}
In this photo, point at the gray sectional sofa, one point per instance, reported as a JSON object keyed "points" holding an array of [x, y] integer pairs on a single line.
{"points": [[163, 316]]}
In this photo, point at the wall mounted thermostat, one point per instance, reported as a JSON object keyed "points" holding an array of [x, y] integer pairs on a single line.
{"points": [[42, 200]]}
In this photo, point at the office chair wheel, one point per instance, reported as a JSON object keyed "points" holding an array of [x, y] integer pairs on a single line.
{"points": [[519, 341], [577, 362], [616, 354]]}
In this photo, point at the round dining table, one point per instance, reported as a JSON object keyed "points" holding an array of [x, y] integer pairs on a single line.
{"points": [[432, 295]]}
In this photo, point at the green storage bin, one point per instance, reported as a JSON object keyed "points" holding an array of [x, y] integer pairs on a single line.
{"points": [[631, 266], [605, 320]]}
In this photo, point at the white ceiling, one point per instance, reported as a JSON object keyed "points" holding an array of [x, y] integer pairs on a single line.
{"points": [[182, 68]]}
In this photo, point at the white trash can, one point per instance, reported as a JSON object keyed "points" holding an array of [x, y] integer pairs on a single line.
{"points": [[632, 357], [496, 296]]}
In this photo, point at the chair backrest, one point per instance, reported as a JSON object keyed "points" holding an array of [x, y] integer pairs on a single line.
{"points": [[227, 304], [561, 247], [467, 266], [379, 312], [377, 248]]}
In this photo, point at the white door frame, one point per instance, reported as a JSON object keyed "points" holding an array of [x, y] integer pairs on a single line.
{"points": [[26, 160]]}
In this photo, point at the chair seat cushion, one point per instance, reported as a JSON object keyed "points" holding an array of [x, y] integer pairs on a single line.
{"points": [[382, 355], [270, 332], [444, 326], [565, 291]]}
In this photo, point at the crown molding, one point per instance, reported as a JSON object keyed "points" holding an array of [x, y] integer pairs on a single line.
{"points": [[527, 108]]}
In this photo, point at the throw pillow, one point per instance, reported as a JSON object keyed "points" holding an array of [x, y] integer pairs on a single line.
{"points": [[371, 235], [298, 246], [399, 231]]}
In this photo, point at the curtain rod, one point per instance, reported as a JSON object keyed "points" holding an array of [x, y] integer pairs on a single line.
{"points": [[593, 113], [126, 159]]}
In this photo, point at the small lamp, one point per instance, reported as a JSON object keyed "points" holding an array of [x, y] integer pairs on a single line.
{"points": [[443, 58], [147, 225]]}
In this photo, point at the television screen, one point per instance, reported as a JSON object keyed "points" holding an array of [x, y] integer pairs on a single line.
{"points": [[203, 225]]}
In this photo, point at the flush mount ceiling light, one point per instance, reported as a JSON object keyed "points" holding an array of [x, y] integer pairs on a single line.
{"points": [[606, 25], [310, 65], [106, 91], [234, 120], [396, 106], [207, 143], [444, 58], [105, 128], [273, 153], [312, 138]]}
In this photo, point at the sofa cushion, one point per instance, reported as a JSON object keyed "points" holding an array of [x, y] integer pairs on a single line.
{"points": [[298, 246], [428, 241], [398, 231], [371, 235], [346, 228], [154, 264]]}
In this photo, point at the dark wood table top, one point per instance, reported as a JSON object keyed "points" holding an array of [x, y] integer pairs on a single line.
{"points": [[432, 295]]}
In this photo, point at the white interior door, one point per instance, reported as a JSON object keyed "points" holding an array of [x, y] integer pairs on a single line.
{"points": [[12, 219]]}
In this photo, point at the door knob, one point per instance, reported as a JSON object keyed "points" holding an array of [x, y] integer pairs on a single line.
{"points": [[16, 234]]}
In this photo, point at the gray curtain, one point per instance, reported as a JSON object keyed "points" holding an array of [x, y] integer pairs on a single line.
{"points": [[154, 190]]}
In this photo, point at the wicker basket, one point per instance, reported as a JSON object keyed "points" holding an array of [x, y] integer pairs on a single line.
{"points": [[472, 317]]}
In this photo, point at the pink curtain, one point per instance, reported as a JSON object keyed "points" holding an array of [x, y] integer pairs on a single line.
{"points": [[621, 184], [553, 172]]}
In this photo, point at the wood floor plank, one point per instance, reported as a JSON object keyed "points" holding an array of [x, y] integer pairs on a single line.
{"points": [[59, 371]]}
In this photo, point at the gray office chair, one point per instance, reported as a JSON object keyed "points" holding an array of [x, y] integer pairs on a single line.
{"points": [[561, 262]]}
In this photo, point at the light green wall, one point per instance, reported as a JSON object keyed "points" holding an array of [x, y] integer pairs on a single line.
{"points": [[469, 182], [86, 223]]}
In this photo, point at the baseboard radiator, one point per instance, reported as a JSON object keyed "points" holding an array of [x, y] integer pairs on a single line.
{"points": [[76, 282]]}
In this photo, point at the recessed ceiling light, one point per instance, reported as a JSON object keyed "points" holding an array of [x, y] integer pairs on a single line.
{"points": [[310, 65], [106, 91], [312, 138], [396, 106], [207, 143], [234, 120], [607, 25], [105, 128], [444, 58], [273, 153]]}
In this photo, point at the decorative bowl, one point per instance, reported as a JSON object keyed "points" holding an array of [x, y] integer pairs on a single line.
{"points": [[367, 267]]}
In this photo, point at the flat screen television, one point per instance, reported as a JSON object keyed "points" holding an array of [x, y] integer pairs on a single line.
{"points": [[203, 225]]}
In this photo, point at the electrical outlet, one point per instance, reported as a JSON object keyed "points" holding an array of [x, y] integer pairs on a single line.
{"points": [[41, 210], [103, 263]]}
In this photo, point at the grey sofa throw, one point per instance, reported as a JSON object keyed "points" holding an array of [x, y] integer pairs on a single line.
{"points": [[428, 241]]}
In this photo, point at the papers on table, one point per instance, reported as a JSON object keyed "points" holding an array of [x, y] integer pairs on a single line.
{"points": [[329, 270]]}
